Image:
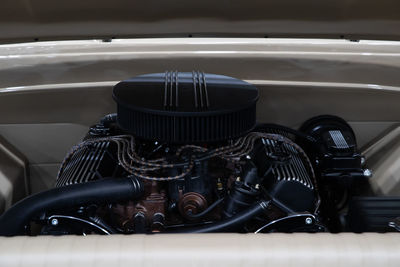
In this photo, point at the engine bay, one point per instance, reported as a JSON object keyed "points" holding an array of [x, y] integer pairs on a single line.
{"points": [[185, 154]]}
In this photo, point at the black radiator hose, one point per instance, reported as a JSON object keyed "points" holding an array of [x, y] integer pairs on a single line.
{"points": [[232, 223], [13, 221]]}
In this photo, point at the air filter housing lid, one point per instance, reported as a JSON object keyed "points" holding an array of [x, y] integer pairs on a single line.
{"points": [[186, 107]]}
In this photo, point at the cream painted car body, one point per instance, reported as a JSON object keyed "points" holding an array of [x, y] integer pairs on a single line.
{"points": [[52, 91]]}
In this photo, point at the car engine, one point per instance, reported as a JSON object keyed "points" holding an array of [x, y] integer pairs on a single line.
{"points": [[185, 154]]}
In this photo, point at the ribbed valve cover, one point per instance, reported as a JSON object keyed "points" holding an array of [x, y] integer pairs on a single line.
{"points": [[186, 107]]}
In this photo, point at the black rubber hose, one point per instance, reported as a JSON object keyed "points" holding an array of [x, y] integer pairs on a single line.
{"points": [[204, 212], [232, 223], [13, 221]]}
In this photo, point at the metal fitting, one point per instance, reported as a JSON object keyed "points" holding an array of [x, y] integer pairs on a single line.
{"points": [[54, 222], [367, 173]]}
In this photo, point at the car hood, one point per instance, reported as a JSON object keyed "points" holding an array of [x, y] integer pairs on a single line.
{"points": [[28, 20]]}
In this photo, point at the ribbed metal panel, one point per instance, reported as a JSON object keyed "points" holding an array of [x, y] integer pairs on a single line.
{"points": [[84, 165], [187, 129], [293, 169]]}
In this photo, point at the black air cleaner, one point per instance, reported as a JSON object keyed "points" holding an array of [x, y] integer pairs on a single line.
{"points": [[185, 107]]}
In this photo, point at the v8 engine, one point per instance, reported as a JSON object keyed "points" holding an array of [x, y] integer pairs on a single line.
{"points": [[184, 154]]}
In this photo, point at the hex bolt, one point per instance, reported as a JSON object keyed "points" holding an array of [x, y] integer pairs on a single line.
{"points": [[308, 220], [367, 173], [54, 222]]}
